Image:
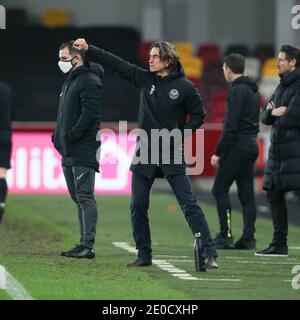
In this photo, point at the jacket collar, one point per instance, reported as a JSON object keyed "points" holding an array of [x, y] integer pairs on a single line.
{"points": [[291, 77], [176, 73]]}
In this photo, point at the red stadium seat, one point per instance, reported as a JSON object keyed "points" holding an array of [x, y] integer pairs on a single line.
{"points": [[213, 79], [208, 52], [213, 70], [217, 106], [196, 81], [143, 52]]}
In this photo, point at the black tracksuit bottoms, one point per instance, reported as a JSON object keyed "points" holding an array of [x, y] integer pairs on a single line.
{"points": [[80, 182], [277, 202], [182, 189], [236, 166]]}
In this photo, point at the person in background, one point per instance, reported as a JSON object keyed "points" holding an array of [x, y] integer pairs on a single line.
{"points": [[236, 153], [282, 171], [5, 141]]}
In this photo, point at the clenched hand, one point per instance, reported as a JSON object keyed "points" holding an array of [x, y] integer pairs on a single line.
{"points": [[81, 45]]}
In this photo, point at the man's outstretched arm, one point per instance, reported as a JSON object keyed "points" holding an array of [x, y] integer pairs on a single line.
{"points": [[124, 69]]}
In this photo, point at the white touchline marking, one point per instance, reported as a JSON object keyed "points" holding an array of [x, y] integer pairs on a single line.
{"points": [[165, 265], [13, 288], [261, 258], [165, 255], [265, 262], [294, 248], [183, 260], [223, 280], [242, 262], [125, 246], [228, 257]]}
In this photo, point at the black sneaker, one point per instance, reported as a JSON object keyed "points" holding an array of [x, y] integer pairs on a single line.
{"points": [[80, 252], [2, 209], [140, 262], [272, 251], [223, 243], [243, 244]]}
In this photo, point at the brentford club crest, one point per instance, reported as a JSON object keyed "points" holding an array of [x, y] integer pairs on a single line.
{"points": [[174, 94]]}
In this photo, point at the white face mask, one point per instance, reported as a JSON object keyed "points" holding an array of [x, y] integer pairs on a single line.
{"points": [[65, 66]]}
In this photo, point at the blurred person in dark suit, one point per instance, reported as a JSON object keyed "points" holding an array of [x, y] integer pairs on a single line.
{"points": [[5, 141]]}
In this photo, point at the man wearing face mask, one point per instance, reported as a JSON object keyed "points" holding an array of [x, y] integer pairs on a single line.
{"points": [[78, 123]]}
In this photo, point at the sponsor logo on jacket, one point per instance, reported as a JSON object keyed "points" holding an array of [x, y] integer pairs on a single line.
{"points": [[152, 89]]}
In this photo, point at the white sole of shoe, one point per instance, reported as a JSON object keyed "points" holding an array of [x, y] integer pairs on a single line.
{"points": [[270, 255], [212, 267]]}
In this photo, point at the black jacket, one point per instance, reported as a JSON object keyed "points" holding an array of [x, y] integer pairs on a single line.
{"points": [[164, 104], [282, 170], [241, 123], [78, 120], [5, 114]]}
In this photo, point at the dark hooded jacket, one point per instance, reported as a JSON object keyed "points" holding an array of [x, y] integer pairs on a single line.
{"points": [[78, 120], [165, 103], [282, 170], [241, 123]]}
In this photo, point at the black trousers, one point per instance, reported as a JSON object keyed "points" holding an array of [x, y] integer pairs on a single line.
{"points": [[182, 189], [5, 151], [276, 200], [80, 182], [239, 167]]}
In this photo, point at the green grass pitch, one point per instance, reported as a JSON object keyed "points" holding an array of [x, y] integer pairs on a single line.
{"points": [[37, 227]]}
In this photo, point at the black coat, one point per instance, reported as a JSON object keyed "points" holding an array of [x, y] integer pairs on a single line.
{"points": [[282, 170], [241, 123], [164, 104], [78, 120]]}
